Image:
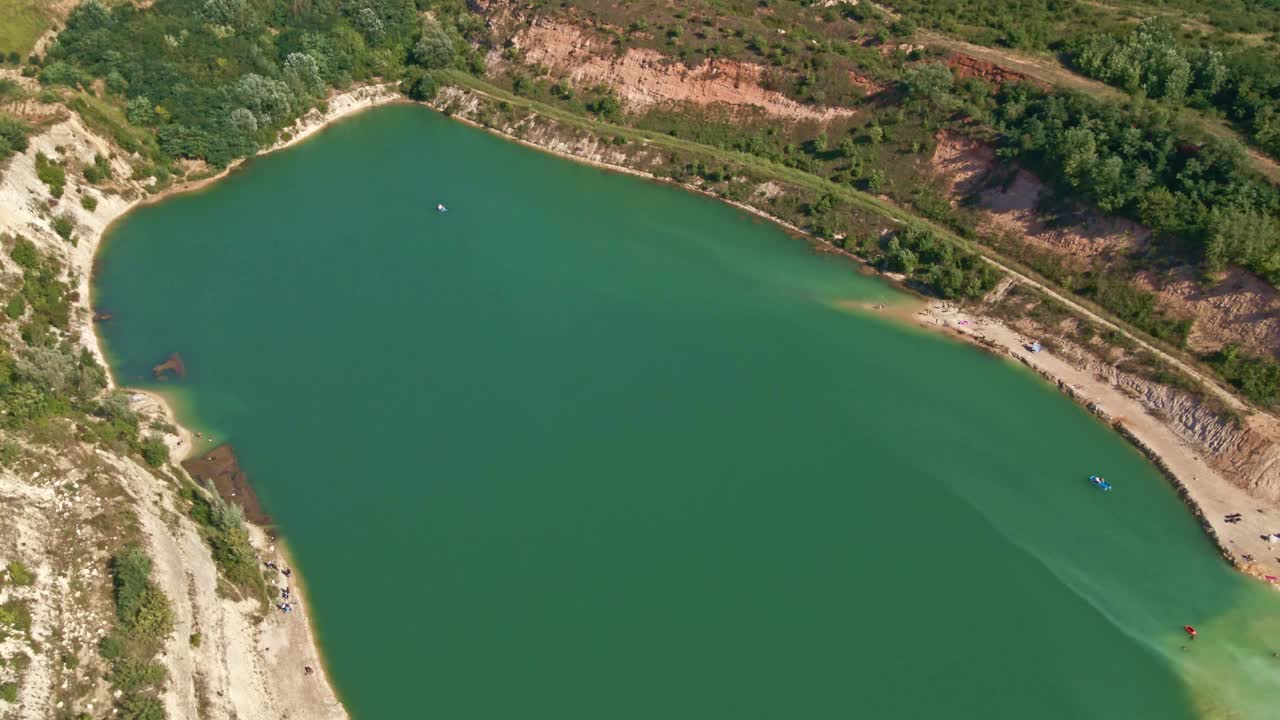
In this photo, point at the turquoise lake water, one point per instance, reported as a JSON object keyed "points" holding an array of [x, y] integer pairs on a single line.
{"points": [[591, 447]]}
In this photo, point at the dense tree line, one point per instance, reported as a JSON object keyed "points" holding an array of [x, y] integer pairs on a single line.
{"points": [[1135, 162], [940, 265], [216, 79], [1244, 84]]}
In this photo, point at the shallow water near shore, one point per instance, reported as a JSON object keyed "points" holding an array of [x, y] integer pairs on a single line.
{"points": [[592, 447]]}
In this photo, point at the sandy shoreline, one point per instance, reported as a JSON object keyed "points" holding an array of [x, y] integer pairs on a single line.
{"points": [[305, 645], [262, 666]]}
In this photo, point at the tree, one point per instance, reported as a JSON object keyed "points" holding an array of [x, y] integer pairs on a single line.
{"points": [[419, 84], [434, 49], [270, 100], [303, 74], [930, 81]]}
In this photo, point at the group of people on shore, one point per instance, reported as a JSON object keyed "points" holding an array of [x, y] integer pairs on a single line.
{"points": [[286, 602]]}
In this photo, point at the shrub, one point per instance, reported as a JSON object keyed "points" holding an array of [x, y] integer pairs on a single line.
{"points": [[154, 451], [154, 618], [9, 692], [88, 202], [24, 253], [15, 307], [1257, 377], [19, 574], [97, 172], [13, 135], [51, 174], [65, 226], [131, 570]]}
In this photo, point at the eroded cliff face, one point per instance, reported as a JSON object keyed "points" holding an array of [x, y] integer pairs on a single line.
{"points": [[644, 78]]}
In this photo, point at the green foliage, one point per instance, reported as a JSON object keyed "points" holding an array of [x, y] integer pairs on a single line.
{"points": [[1257, 377], [142, 706], [15, 307], [24, 253], [1136, 163], [154, 619], [145, 618], [130, 675], [88, 202], [65, 226], [130, 573], [1242, 83], [931, 81], [940, 265], [19, 574], [606, 106], [217, 79], [419, 84], [97, 172], [9, 692], [17, 615], [223, 527], [51, 174], [154, 451], [13, 136], [435, 48]]}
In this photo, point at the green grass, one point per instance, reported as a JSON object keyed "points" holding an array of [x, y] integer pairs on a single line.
{"points": [[24, 21]]}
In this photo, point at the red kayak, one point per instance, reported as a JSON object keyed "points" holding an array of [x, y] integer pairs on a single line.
{"points": [[1190, 630]]}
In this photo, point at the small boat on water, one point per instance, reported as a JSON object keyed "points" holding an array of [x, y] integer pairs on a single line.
{"points": [[441, 208], [1099, 482], [1191, 632]]}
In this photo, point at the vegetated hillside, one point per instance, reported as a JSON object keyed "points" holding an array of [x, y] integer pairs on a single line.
{"points": [[188, 84], [1199, 204], [1217, 57]]}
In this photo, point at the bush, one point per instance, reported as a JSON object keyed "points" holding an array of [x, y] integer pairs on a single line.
{"points": [[131, 570], [1257, 377], [154, 451], [19, 574], [65, 226], [15, 307], [154, 618], [24, 253], [13, 135], [9, 692], [51, 174], [224, 529], [97, 172], [88, 202]]}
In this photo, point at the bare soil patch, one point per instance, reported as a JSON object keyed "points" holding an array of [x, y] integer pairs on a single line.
{"points": [[644, 78], [1237, 308]]}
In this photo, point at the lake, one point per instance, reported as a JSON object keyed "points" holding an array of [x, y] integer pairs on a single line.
{"points": [[588, 446]]}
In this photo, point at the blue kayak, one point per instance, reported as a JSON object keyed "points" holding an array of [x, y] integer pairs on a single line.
{"points": [[1103, 484]]}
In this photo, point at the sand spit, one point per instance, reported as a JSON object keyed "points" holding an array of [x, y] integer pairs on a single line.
{"points": [[249, 665]]}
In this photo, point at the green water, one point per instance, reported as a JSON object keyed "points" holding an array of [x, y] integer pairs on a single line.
{"points": [[590, 447]]}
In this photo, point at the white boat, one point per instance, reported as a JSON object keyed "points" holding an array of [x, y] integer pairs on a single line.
{"points": [[441, 208]]}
